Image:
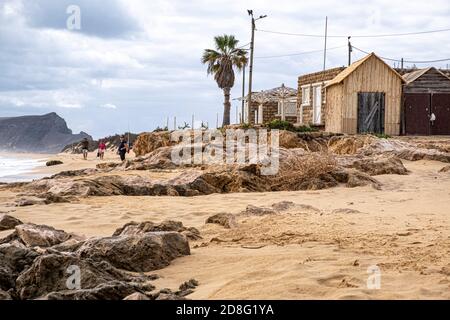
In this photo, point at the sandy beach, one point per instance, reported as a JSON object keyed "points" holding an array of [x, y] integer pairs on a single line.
{"points": [[321, 249]]}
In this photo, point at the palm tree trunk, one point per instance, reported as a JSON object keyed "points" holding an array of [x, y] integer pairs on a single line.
{"points": [[226, 107]]}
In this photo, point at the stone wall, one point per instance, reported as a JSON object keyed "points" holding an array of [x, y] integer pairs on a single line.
{"points": [[270, 113], [310, 79]]}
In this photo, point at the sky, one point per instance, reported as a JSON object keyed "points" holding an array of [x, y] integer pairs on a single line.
{"points": [[136, 63]]}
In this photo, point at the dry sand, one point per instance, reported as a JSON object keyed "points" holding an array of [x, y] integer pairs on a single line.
{"points": [[404, 229]]}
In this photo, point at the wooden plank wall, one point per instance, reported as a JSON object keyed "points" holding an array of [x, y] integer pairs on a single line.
{"points": [[372, 76], [431, 82], [333, 112]]}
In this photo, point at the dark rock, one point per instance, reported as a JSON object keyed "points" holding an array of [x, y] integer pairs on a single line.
{"points": [[225, 220], [41, 236], [140, 253], [8, 222], [14, 258], [52, 163], [49, 277], [445, 169]]}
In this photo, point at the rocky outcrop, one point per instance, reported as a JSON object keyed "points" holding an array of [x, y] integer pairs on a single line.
{"points": [[375, 166], [150, 141], [97, 268], [225, 220], [139, 253], [49, 277], [445, 169], [135, 228], [40, 236], [41, 134], [7, 222]]}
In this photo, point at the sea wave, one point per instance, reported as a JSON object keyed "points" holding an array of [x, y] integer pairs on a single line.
{"points": [[17, 169]]}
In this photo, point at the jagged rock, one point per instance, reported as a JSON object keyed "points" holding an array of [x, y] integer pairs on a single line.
{"points": [[148, 142], [49, 277], [137, 296], [376, 166], [225, 220], [135, 228], [52, 163], [191, 284], [7, 222], [140, 253], [41, 236], [14, 258], [4, 295]]}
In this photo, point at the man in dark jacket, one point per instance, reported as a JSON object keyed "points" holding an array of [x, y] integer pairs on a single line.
{"points": [[85, 148], [123, 148]]}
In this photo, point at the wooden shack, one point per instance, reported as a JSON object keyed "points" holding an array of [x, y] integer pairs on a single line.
{"points": [[426, 107], [365, 98]]}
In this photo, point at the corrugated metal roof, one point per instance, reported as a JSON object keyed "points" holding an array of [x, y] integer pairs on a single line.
{"points": [[344, 74]]}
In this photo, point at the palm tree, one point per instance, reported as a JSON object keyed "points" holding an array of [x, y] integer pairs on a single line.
{"points": [[221, 63]]}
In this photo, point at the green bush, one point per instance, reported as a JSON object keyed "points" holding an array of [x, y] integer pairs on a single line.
{"points": [[381, 135], [281, 125]]}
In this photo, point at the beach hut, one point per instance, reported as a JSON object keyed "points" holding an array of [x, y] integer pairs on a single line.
{"points": [[275, 104], [365, 98], [426, 107], [312, 98]]}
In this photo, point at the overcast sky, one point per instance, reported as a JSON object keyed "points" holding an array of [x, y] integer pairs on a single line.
{"points": [[138, 61]]}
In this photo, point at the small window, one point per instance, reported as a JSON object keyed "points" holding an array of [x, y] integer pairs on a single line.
{"points": [[306, 95]]}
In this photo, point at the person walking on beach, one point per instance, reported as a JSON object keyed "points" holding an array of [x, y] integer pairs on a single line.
{"points": [[123, 148], [101, 149], [85, 148]]}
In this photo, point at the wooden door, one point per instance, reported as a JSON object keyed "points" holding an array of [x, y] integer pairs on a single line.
{"points": [[417, 111], [371, 112], [441, 108], [317, 105]]}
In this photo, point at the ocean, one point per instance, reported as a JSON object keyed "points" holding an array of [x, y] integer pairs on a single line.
{"points": [[17, 169]]}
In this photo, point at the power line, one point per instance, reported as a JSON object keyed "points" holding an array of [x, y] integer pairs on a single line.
{"points": [[407, 61], [298, 54], [355, 36]]}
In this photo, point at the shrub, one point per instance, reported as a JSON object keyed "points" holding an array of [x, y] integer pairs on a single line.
{"points": [[285, 125]]}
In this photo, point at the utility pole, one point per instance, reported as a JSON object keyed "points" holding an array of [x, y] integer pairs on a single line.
{"points": [[243, 92], [325, 50], [252, 49], [350, 49], [402, 64]]}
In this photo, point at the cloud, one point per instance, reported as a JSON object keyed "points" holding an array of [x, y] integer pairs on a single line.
{"points": [[108, 106], [144, 56]]}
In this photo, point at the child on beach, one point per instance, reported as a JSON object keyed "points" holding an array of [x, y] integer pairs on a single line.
{"points": [[101, 149]]}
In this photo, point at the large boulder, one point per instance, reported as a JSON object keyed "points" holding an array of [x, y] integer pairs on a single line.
{"points": [[136, 228], [8, 222], [14, 258], [148, 142], [40, 235], [139, 253], [50, 275], [376, 166], [225, 220]]}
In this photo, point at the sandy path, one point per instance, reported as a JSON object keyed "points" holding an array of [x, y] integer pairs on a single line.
{"points": [[404, 229]]}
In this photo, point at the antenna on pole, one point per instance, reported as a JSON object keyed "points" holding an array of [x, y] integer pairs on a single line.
{"points": [[325, 48], [350, 49]]}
